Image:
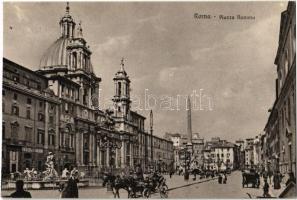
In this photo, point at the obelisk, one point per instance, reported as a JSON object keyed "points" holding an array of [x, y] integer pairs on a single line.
{"points": [[189, 121], [151, 129]]}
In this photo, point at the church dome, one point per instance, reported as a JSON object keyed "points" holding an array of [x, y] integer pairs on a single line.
{"points": [[56, 54]]}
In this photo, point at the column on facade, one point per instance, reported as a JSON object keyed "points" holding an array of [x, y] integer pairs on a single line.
{"points": [[81, 91], [57, 131], [90, 148], [96, 94], [46, 126], [94, 150], [123, 152], [98, 155], [116, 158], [89, 97], [70, 30], [77, 147], [107, 156], [82, 60], [81, 145], [115, 88], [70, 60], [131, 155]]}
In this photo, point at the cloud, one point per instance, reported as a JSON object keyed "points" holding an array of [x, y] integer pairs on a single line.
{"points": [[20, 13], [112, 44]]}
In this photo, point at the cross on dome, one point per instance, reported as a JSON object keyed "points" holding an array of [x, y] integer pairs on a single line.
{"points": [[122, 64], [67, 8]]}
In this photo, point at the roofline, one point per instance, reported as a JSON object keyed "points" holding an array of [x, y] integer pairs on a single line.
{"points": [[6, 60]]}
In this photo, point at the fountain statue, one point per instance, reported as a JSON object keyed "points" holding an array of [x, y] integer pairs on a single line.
{"points": [[50, 173]]}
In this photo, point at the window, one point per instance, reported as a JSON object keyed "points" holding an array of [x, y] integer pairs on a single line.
{"points": [[40, 117], [14, 130], [28, 132], [51, 138], [3, 92], [40, 104], [40, 137], [15, 96], [28, 113], [15, 110], [29, 101], [51, 119], [71, 142], [74, 61]]}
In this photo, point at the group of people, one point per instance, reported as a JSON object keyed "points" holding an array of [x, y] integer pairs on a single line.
{"points": [[277, 179]]}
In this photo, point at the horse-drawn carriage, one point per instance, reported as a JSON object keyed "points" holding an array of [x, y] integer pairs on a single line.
{"points": [[250, 177], [137, 187]]}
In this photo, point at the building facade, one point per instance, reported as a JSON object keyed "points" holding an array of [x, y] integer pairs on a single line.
{"points": [[30, 114], [285, 102]]}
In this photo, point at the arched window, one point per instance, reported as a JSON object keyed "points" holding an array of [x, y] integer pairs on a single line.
{"points": [[74, 60], [119, 88]]}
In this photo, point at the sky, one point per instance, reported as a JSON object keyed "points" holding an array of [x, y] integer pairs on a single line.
{"points": [[227, 64]]}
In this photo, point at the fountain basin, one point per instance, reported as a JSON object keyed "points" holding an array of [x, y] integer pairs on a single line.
{"points": [[39, 185]]}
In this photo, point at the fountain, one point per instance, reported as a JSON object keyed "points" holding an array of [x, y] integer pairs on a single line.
{"points": [[48, 179]]}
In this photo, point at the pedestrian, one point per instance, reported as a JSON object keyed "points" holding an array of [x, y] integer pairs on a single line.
{"points": [[20, 192], [266, 189], [71, 189], [220, 179], [225, 178], [171, 173], [270, 175], [277, 180], [291, 178]]}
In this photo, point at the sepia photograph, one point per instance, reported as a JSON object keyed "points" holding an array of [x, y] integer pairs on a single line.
{"points": [[148, 99]]}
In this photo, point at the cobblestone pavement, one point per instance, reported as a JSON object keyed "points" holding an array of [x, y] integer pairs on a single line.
{"points": [[178, 188]]}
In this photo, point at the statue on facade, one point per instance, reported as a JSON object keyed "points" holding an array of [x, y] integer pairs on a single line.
{"points": [[50, 172]]}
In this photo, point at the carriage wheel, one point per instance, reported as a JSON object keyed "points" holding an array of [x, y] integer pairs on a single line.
{"points": [[147, 193], [164, 191]]}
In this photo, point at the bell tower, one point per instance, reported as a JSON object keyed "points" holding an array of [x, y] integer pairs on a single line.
{"points": [[121, 98]]}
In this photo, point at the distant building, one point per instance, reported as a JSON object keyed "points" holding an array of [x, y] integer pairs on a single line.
{"points": [[219, 155]]}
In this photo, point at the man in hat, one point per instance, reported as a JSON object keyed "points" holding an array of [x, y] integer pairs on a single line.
{"points": [[20, 192]]}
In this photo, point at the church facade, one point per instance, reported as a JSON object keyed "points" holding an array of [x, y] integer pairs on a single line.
{"points": [[57, 109]]}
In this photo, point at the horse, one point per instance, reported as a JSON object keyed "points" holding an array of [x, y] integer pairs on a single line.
{"points": [[116, 183]]}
